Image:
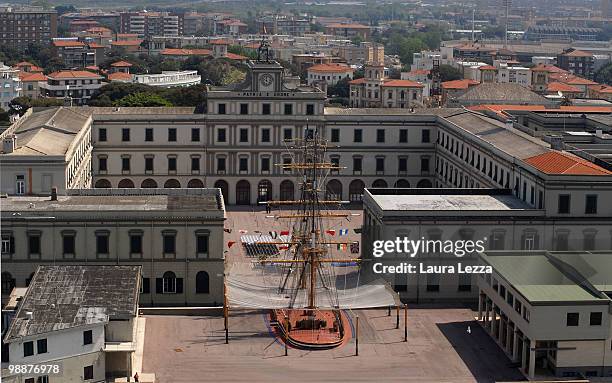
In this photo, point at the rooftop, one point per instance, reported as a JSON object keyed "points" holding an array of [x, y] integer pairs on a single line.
{"points": [[64, 297], [556, 162], [459, 84], [70, 74], [330, 68], [402, 84], [555, 277], [503, 93]]}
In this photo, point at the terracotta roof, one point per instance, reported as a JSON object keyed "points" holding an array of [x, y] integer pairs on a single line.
{"points": [[120, 76], [32, 76], [127, 34], [576, 53], [68, 43], [98, 29], [420, 72], [403, 84], [33, 68], [561, 87], [459, 84], [96, 45], [487, 67], [601, 88], [186, 52], [233, 56], [547, 68], [73, 74], [330, 68], [127, 43], [357, 81], [121, 64], [556, 162], [501, 108], [252, 45], [220, 42], [93, 67]]}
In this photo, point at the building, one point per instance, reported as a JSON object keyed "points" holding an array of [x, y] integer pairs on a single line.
{"points": [[84, 317], [148, 24], [10, 85], [46, 149], [22, 26], [75, 54], [425, 60], [550, 312], [512, 73], [498, 93], [358, 54], [561, 33], [455, 88], [349, 31], [175, 235], [74, 86], [577, 62], [30, 83], [329, 74], [169, 79], [283, 25]]}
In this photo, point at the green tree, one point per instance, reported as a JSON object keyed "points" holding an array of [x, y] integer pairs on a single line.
{"points": [[61, 9], [449, 73], [340, 89], [4, 116], [21, 104], [116, 91], [142, 99], [604, 74]]}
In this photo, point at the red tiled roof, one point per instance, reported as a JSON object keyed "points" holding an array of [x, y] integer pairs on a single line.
{"points": [[459, 84], [561, 87], [33, 68], [120, 76], [420, 72], [330, 68], [487, 67], [96, 45], [93, 67], [121, 63], [576, 53], [68, 43], [220, 42], [186, 52], [32, 76], [98, 29], [556, 162], [547, 68], [500, 108], [126, 42], [73, 74], [233, 56], [357, 81], [601, 88], [403, 84]]}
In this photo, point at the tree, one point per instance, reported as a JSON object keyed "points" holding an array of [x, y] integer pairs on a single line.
{"points": [[604, 74], [21, 104], [4, 116], [340, 89], [116, 91], [142, 99], [62, 9], [190, 96], [449, 73]]}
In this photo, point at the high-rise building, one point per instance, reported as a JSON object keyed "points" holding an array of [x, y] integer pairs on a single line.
{"points": [[148, 24], [20, 27]]}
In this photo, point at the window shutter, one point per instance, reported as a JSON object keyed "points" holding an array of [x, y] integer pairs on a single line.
{"points": [[146, 288], [12, 245], [179, 285], [159, 285]]}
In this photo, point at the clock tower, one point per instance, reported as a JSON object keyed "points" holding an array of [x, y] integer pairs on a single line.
{"points": [[266, 76]]}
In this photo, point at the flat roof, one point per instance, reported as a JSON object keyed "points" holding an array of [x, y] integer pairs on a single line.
{"points": [[546, 277], [64, 297]]}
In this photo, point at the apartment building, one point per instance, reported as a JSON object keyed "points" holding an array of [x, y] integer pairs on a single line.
{"points": [[550, 312], [349, 31], [22, 26], [84, 317], [170, 79], [75, 87], [77, 54], [283, 25], [148, 24], [175, 235], [577, 62], [329, 74], [10, 85]]}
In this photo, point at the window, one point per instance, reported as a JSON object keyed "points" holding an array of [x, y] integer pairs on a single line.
{"points": [[125, 164], [526, 314], [595, 319], [288, 109], [28, 348], [102, 164], [265, 164], [425, 136], [433, 282], [202, 243], [357, 135], [380, 164], [221, 135], [125, 134], [221, 164], [148, 134], [102, 135], [265, 135], [20, 184], [265, 109], [135, 243], [8, 244], [88, 372], [244, 108], [171, 134], [402, 165], [403, 136], [243, 164], [148, 164], [169, 283], [380, 135], [465, 282], [41, 346], [87, 337], [287, 134], [195, 164], [202, 283], [244, 135], [221, 109], [171, 164], [564, 204], [510, 298], [310, 109], [573, 319], [335, 135], [195, 134], [102, 243], [591, 204], [169, 241], [68, 243], [357, 164], [424, 164], [42, 379]]}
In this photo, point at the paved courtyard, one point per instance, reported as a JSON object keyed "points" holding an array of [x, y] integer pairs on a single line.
{"points": [[439, 349]]}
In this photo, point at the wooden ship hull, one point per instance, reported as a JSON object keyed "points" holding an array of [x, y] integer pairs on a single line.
{"points": [[312, 329]]}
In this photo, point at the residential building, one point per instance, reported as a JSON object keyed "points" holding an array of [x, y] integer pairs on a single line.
{"points": [[83, 317], [358, 54], [174, 235], [498, 93], [329, 74], [170, 79], [603, 92], [549, 312], [425, 60], [577, 62], [10, 85], [75, 54], [349, 31], [74, 86], [283, 25], [512, 73], [30, 83], [22, 26], [455, 88], [148, 24]]}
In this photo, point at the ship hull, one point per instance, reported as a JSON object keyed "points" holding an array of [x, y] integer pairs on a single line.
{"points": [[312, 329]]}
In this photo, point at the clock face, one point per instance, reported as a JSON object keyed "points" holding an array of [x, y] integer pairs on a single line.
{"points": [[266, 79]]}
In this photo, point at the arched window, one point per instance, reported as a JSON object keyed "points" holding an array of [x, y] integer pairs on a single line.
{"points": [[8, 282], [102, 184], [195, 183], [402, 183], [264, 191], [220, 184], [356, 190], [379, 184], [169, 283], [287, 192], [243, 193], [333, 191], [202, 283], [172, 184], [148, 184], [424, 184], [126, 183]]}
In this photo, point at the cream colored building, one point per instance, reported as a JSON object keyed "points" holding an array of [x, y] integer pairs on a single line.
{"points": [[175, 235], [550, 312]]}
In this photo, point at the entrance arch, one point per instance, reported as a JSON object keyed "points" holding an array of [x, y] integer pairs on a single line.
{"points": [[287, 191], [195, 183], [379, 184], [356, 190], [243, 192], [172, 184], [126, 183], [424, 184], [103, 184], [220, 184], [402, 183], [264, 191], [333, 191], [148, 184]]}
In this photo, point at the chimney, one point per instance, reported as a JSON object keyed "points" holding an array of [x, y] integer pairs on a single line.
{"points": [[54, 194], [599, 133], [29, 315], [556, 143], [8, 144]]}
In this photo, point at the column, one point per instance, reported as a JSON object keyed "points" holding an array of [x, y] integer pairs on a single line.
{"points": [[532, 355], [515, 346], [487, 317], [525, 345], [508, 336], [480, 294], [493, 320]]}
